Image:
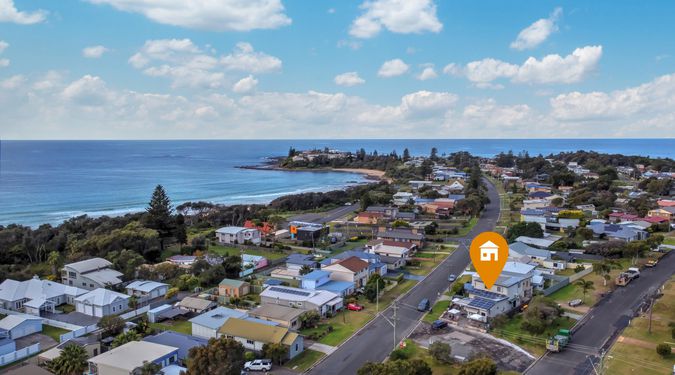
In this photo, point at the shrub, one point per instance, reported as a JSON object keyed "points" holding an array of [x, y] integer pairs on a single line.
{"points": [[579, 268], [663, 349], [398, 354], [441, 351], [249, 356]]}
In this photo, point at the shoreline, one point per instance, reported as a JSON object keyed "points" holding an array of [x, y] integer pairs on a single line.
{"points": [[370, 174]]}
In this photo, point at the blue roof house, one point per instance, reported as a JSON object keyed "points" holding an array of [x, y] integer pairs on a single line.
{"points": [[320, 280], [178, 340]]}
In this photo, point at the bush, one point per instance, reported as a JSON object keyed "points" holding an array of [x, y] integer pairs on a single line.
{"points": [[579, 268], [249, 356], [398, 354], [663, 349], [441, 352]]}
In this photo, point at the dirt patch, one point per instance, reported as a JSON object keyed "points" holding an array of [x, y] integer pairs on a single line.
{"points": [[467, 344]]}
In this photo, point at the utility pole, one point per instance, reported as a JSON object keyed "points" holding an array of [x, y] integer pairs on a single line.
{"points": [[651, 308], [394, 317], [377, 297]]}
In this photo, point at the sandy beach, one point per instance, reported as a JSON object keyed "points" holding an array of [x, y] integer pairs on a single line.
{"points": [[372, 173]]}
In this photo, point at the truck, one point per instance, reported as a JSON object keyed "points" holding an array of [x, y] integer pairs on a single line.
{"points": [[651, 263], [626, 277], [558, 342]]}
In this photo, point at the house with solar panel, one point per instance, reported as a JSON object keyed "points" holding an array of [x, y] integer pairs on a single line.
{"points": [[513, 288], [324, 302]]}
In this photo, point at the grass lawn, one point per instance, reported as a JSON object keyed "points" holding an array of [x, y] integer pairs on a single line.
{"points": [[350, 245], [535, 344], [304, 360], [572, 291], [669, 241], [436, 311], [414, 351], [348, 322], [267, 253], [180, 326], [463, 231], [53, 332], [425, 266], [630, 358], [67, 309]]}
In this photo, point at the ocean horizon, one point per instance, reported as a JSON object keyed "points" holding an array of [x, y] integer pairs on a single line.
{"points": [[51, 181]]}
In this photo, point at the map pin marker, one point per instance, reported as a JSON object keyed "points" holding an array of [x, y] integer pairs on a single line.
{"points": [[489, 251]]}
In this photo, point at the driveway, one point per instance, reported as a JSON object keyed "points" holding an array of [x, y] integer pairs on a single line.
{"points": [[45, 341], [75, 318], [466, 344], [375, 341]]}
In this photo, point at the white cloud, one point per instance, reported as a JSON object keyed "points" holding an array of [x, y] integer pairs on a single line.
{"points": [[550, 69], [538, 32], [351, 44], [94, 52], [221, 15], [12, 82], [488, 112], [428, 102], [427, 73], [557, 69], [348, 79], [4, 63], [88, 91], [187, 65], [9, 13], [393, 68], [3, 46], [245, 85], [397, 16]]}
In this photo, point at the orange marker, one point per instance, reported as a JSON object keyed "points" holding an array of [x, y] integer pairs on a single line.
{"points": [[489, 251]]}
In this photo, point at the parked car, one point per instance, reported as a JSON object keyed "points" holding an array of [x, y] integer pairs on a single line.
{"points": [[258, 365], [575, 302], [651, 263], [354, 307], [423, 305], [439, 324], [452, 277]]}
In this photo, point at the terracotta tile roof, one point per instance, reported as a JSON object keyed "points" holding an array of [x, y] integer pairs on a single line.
{"points": [[353, 264]]}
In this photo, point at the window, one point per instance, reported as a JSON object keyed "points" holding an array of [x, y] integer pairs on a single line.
{"points": [[84, 284], [113, 308], [250, 342], [91, 285]]}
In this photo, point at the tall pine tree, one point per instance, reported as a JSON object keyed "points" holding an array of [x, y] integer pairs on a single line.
{"points": [[159, 215]]}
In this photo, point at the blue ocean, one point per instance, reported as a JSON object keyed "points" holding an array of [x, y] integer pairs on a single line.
{"points": [[50, 181]]}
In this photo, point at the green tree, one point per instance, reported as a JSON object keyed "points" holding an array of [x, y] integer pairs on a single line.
{"points": [[148, 368], [375, 283], [111, 324], [133, 302], [126, 261], [663, 349], [604, 268], [180, 232], [278, 353], [158, 216], [125, 337], [54, 260], [71, 361], [187, 282], [305, 269], [221, 356], [232, 265], [441, 351], [480, 366], [310, 319], [524, 229], [585, 286], [406, 155], [434, 154]]}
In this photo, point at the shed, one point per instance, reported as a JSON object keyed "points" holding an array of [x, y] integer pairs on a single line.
{"points": [[21, 325]]}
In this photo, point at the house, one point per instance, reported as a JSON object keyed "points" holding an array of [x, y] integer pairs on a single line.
{"points": [[401, 235], [34, 295], [253, 261], [324, 302], [297, 261], [128, 358], [618, 232], [321, 280], [18, 326], [533, 204], [288, 317], [666, 203], [265, 228], [164, 312], [91, 345], [455, 186], [238, 235], [147, 289], [90, 274], [393, 263], [253, 335], [196, 305], [617, 217], [177, 340], [484, 305], [663, 212], [272, 282], [351, 269], [402, 198], [489, 252], [206, 325], [375, 265], [308, 232], [539, 242], [233, 288], [370, 218], [388, 212], [391, 248], [519, 249], [102, 302], [186, 261]]}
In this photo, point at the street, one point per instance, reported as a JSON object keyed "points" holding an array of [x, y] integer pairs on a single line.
{"points": [[376, 340], [609, 317]]}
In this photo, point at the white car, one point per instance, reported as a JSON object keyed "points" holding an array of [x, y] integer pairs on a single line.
{"points": [[258, 365]]}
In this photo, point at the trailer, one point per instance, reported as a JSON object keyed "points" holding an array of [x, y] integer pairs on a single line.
{"points": [[558, 342], [626, 277]]}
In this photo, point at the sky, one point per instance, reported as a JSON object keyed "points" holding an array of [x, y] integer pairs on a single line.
{"points": [[291, 69]]}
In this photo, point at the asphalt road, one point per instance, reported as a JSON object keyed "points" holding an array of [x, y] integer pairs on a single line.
{"points": [[324, 217], [376, 340], [605, 322]]}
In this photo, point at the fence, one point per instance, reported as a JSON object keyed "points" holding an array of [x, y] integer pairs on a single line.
{"points": [[60, 324], [562, 282], [78, 333], [135, 313], [581, 274], [19, 354]]}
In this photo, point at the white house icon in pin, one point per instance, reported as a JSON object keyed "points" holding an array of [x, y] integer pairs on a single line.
{"points": [[489, 250]]}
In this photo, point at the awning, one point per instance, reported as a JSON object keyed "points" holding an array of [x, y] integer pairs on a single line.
{"points": [[453, 311]]}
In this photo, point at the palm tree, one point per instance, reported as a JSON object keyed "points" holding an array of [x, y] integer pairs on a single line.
{"points": [[305, 270], [603, 269], [149, 368], [133, 302], [53, 260], [585, 286], [71, 361]]}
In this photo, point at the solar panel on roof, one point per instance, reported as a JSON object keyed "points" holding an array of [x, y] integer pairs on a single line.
{"points": [[289, 291]]}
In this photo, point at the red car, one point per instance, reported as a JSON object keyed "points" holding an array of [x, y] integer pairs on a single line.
{"points": [[354, 307]]}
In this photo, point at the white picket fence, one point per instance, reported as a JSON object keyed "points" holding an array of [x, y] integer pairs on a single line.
{"points": [[19, 354], [135, 313]]}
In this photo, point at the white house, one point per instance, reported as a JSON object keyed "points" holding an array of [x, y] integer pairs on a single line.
{"points": [[238, 235], [90, 274], [324, 302], [102, 302], [34, 295], [18, 326], [147, 289], [206, 325], [253, 335], [489, 252]]}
